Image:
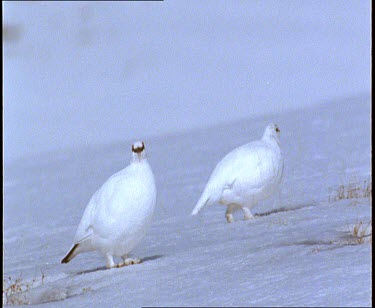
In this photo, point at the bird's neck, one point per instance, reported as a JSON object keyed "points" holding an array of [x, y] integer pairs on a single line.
{"points": [[271, 139], [138, 161]]}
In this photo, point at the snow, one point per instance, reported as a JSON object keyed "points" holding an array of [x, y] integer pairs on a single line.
{"points": [[297, 252], [194, 80]]}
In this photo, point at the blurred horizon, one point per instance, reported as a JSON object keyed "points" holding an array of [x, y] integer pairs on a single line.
{"points": [[87, 73]]}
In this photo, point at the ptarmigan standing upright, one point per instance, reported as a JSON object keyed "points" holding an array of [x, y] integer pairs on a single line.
{"points": [[119, 213], [246, 175]]}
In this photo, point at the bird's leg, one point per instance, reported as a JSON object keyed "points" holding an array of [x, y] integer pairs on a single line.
{"points": [[129, 261], [110, 263], [229, 213], [247, 213]]}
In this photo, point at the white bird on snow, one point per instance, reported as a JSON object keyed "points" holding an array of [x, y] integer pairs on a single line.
{"points": [[119, 213], [246, 175]]}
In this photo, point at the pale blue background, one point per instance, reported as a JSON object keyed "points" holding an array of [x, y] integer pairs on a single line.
{"points": [[79, 73]]}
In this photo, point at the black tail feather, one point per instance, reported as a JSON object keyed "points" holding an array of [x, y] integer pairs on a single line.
{"points": [[69, 255]]}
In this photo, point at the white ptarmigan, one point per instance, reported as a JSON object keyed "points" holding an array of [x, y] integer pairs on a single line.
{"points": [[119, 213], [246, 175]]}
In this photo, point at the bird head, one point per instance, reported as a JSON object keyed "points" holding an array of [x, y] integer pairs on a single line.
{"points": [[138, 151], [272, 131]]}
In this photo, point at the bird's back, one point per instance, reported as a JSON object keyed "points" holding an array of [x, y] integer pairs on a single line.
{"points": [[244, 172]]}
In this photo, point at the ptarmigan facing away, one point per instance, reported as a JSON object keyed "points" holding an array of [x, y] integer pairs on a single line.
{"points": [[246, 175], [119, 213]]}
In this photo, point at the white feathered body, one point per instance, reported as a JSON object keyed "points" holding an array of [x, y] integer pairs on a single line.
{"points": [[246, 175], [119, 213]]}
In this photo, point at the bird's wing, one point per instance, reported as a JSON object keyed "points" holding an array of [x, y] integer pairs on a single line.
{"points": [[97, 201], [229, 168], [84, 231], [221, 178], [254, 164]]}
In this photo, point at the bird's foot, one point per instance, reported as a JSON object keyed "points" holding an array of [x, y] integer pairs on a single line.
{"points": [[129, 261], [247, 214], [110, 263], [248, 217], [229, 217]]}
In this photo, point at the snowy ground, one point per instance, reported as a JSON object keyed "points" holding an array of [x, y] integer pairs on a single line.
{"points": [[297, 252]]}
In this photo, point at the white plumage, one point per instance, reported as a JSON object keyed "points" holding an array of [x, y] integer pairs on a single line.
{"points": [[119, 213], [246, 175]]}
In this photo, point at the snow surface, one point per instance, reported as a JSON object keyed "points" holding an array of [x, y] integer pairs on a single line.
{"points": [[297, 252]]}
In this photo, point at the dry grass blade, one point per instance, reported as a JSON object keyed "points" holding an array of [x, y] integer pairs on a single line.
{"points": [[361, 232], [352, 190]]}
